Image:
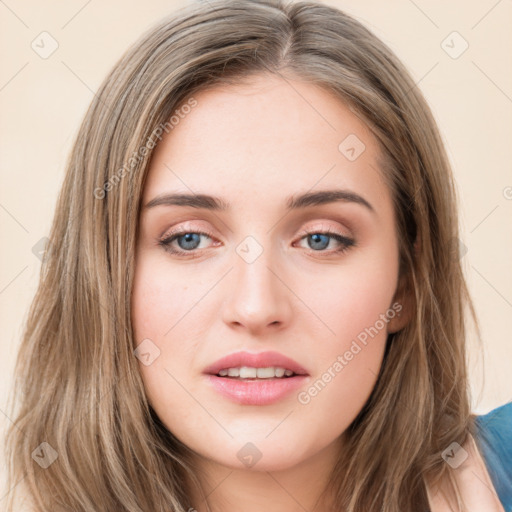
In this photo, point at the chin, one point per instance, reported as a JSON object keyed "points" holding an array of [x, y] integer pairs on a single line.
{"points": [[263, 455]]}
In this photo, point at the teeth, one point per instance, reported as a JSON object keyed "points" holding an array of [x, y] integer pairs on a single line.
{"points": [[247, 372], [264, 373]]}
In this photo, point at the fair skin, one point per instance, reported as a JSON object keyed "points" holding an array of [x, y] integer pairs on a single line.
{"points": [[254, 146], [474, 483]]}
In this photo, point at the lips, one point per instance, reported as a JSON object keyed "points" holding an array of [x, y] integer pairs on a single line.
{"points": [[258, 360]]}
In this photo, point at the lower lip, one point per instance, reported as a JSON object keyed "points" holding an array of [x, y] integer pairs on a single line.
{"points": [[256, 392]]}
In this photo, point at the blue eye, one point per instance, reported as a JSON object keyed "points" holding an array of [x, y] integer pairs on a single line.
{"points": [[188, 242], [320, 241]]}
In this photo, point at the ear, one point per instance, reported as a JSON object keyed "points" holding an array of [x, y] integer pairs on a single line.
{"points": [[404, 301], [403, 304]]}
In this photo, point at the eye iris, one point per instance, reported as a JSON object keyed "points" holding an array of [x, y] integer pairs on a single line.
{"points": [[319, 238], [189, 238]]}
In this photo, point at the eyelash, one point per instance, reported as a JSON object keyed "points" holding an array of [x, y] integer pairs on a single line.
{"points": [[346, 243]]}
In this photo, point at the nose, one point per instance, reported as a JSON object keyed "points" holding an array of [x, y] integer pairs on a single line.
{"points": [[259, 296]]}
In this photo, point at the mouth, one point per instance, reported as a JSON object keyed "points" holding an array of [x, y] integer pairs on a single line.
{"points": [[256, 379], [251, 373], [262, 365]]}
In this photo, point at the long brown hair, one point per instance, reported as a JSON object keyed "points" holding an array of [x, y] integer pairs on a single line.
{"points": [[78, 394]]}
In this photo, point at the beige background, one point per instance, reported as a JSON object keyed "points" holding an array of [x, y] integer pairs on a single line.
{"points": [[42, 102]]}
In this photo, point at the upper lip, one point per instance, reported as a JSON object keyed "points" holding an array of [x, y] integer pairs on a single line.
{"points": [[258, 360]]}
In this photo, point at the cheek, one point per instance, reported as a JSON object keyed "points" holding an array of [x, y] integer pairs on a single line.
{"points": [[357, 307], [354, 297], [336, 396], [160, 299], [151, 314], [348, 366], [162, 307]]}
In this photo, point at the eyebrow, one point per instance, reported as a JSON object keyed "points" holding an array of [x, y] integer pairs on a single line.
{"points": [[208, 202]]}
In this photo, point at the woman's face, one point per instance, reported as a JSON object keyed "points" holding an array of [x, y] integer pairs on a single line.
{"points": [[264, 277]]}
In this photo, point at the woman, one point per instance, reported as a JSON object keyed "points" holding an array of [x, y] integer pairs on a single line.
{"points": [[252, 296]]}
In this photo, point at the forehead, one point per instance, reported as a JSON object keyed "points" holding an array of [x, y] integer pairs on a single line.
{"points": [[272, 137]]}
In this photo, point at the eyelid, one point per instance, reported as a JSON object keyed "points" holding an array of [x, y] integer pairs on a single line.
{"points": [[204, 231], [324, 229], [190, 226]]}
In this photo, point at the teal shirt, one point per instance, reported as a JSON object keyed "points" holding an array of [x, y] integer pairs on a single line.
{"points": [[494, 437]]}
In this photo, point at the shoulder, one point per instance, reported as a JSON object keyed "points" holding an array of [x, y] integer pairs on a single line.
{"points": [[493, 435], [496, 423], [472, 480]]}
